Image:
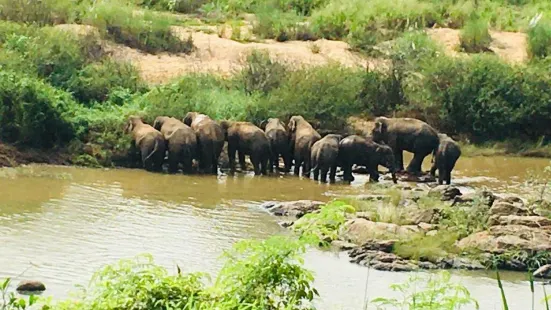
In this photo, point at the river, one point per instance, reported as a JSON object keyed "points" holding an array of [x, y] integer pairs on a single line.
{"points": [[60, 224]]}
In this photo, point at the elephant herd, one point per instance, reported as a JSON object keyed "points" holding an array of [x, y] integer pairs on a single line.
{"points": [[200, 138]]}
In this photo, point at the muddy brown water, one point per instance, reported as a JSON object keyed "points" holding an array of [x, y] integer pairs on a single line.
{"points": [[60, 224]]}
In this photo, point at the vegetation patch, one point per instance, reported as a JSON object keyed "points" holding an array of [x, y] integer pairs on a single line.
{"points": [[475, 37]]}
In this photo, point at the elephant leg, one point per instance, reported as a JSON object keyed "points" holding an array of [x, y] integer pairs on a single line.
{"points": [[316, 174], [324, 172], [347, 168], [256, 164], [433, 169], [332, 174], [187, 165], [231, 157], [298, 163], [287, 160], [373, 174], [306, 167], [399, 157], [242, 161], [264, 164], [414, 166], [172, 163]]}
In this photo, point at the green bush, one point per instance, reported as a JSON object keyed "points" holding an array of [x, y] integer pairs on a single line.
{"points": [[475, 37], [261, 73], [148, 32], [32, 112], [44, 12], [539, 40], [96, 81]]}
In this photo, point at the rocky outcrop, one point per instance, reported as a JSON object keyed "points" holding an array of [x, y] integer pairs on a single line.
{"points": [[498, 239], [503, 208], [360, 230], [31, 286], [292, 208], [530, 221]]}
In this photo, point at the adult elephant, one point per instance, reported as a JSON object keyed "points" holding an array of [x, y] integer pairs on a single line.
{"points": [[279, 142], [356, 150], [181, 142], [210, 140], [444, 158], [247, 139], [406, 134], [324, 157], [303, 136], [148, 141]]}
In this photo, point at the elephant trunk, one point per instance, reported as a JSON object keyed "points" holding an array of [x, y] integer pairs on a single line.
{"points": [[393, 173]]}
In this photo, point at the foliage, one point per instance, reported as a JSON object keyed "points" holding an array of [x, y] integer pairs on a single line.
{"points": [[539, 39], [261, 73], [465, 221], [147, 32], [439, 292], [256, 275], [475, 37], [324, 226], [32, 112], [266, 275], [45, 12], [427, 247]]}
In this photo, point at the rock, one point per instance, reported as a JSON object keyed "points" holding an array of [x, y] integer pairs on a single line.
{"points": [[465, 263], [292, 208], [498, 239], [425, 226], [487, 196], [360, 230], [31, 286], [407, 177], [374, 245], [502, 208], [365, 215], [530, 221], [417, 216], [427, 265], [543, 272], [286, 224], [343, 245], [369, 197], [432, 233], [394, 267], [445, 192]]}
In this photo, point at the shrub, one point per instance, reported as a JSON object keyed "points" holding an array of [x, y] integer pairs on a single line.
{"points": [[475, 37], [539, 39], [95, 81], [261, 73], [150, 33], [273, 23], [45, 12], [32, 112]]}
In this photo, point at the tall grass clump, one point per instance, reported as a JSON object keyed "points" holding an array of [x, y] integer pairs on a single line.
{"points": [[145, 31], [539, 39], [261, 73], [475, 37], [45, 12]]}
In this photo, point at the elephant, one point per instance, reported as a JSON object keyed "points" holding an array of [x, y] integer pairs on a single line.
{"points": [[324, 157], [247, 139], [365, 152], [148, 141], [303, 136], [406, 134], [444, 158], [181, 142], [279, 142], [210, 140]]}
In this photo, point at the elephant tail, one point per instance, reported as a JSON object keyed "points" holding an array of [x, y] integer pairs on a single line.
{"points": [[155, 150]]}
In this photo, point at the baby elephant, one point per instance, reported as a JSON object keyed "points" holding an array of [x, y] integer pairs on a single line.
{"points": [[324, 156], [444, 158], [148, 141], [181, 142], [247, 139]]}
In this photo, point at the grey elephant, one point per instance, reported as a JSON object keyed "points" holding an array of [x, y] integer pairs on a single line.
{"points": [[210, 140], [279, 142], [247, 139], [356, 150], [148, 141], [303, 137], [444, 158], [406, 134], [324, 155], [181, 142]]}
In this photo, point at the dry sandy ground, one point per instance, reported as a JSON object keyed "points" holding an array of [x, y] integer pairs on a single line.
{"points": [[224, 56]]}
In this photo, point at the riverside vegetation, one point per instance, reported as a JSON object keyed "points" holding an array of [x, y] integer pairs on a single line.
{"points": [[62, 90]]}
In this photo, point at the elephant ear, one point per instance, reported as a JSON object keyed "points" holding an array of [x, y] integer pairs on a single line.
{"points": [[188, 119]]}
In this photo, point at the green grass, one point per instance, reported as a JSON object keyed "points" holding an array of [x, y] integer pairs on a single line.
{"points": [[428, 248], [475, 37], [539, 39]]}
